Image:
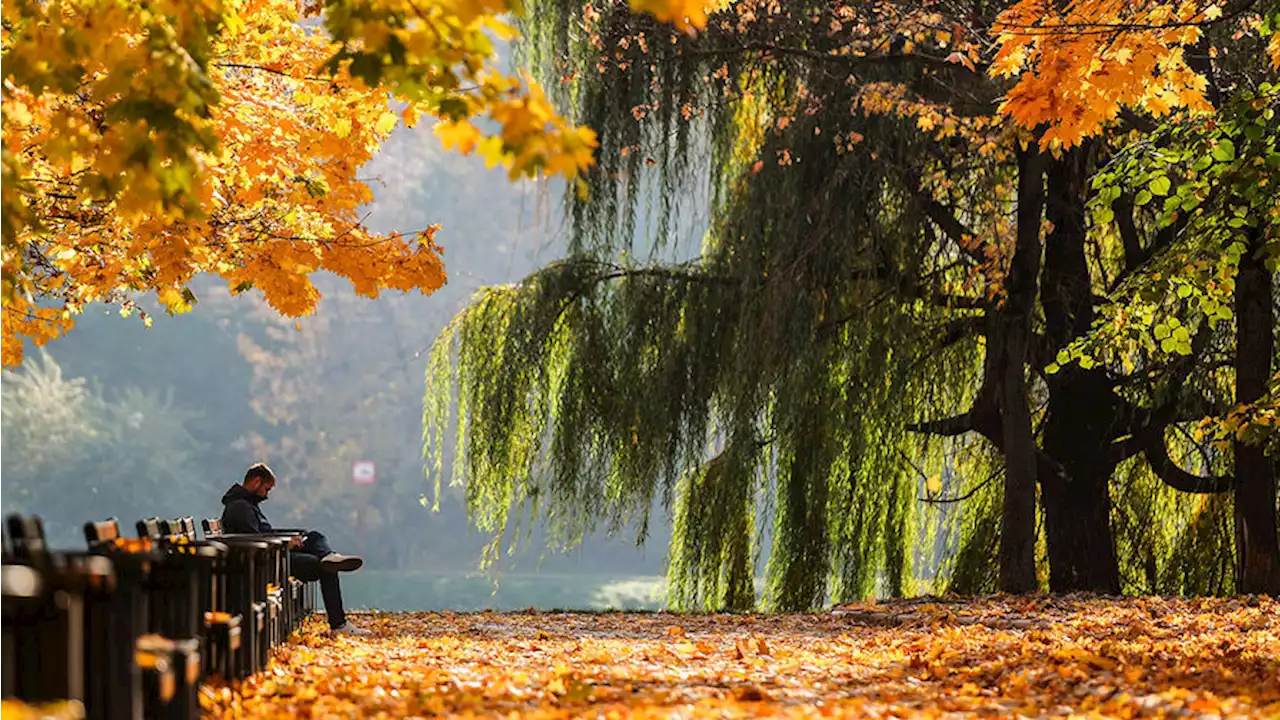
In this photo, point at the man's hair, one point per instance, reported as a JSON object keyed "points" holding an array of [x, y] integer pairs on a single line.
{"points": [[260, 471]]}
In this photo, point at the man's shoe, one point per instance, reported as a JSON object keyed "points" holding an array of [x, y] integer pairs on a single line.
{"points": [[335, 562], [348, 629]]}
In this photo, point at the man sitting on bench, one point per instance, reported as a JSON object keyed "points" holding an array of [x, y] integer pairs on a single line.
{"points": [[311, 557]]}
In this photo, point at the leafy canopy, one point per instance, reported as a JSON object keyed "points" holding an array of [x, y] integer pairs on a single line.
{"points": [[144, 144], [1077, 64]]}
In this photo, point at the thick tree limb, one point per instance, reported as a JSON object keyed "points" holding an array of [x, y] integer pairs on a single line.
{"points": [[1137, 122], [957, 302], [962, 236], [1134, 256], [1175, 477], [1165, 238], [947, 427], [958, 329]]}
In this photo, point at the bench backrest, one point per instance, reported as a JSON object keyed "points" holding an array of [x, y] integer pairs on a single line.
{"points": [[103, 531], [183, 527], [150, 528], [26, 535]]}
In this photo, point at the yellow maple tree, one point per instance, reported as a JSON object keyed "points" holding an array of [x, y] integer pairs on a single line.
{"points": [[145, 144], [1078, 64]]}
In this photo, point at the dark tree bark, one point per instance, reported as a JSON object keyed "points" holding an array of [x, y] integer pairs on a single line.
{"points": [[1257, 549], [1082, 406], [1006, 362]]}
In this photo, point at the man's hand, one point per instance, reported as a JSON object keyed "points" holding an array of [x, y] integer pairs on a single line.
{"points": [[295, 541]]}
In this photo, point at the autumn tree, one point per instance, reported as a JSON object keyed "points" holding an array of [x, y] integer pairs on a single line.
{"points": [[770, 354], [899, 252], [144, 145], [1202, 197]]}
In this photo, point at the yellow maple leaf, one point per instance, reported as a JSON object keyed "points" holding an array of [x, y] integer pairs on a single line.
{"points": [[459, 134]]}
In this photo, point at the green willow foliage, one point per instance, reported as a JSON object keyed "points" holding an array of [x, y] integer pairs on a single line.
{"points": [[763, 391]]}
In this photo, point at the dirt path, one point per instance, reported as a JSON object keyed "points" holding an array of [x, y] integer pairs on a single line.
{"points": [[1147, 657]]}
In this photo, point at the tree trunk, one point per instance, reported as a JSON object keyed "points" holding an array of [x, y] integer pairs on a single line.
{"points": [[1007, 361], [1257, 550], [1075, 491], [1075, 471]]}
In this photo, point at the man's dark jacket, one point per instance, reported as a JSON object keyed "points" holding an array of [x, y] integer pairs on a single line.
{"points": [[240, 512]]}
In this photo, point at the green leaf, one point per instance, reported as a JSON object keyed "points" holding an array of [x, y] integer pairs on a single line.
{"points": [[1144, 197], [1224, 151], [1160, 186]]}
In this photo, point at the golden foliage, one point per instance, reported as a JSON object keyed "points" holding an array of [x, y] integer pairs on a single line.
{"points": [[1079, 63], [687, 15], [57, 710], [145, 144], [996, 657]]}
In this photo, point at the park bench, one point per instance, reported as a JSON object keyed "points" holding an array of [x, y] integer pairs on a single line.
{"points": [[186, 593], [131, 626], [53, 604], [298, 597], [252, 569]]}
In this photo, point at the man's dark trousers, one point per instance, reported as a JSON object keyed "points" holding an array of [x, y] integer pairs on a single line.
{"points": [[306, 567]]}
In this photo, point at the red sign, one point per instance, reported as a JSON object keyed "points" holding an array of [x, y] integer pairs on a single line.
{"points": [[362, 472]]}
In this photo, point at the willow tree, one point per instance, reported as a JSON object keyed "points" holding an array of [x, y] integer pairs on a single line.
{"points": [[875, 280], [764, 387]]}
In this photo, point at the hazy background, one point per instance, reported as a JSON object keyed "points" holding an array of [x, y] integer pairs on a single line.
{"points": [[120, 420]]}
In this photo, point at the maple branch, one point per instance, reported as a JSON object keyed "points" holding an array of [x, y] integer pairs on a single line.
{"points": [[846, 60], [1136, 121], [1096, 28], [274, 71]]}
